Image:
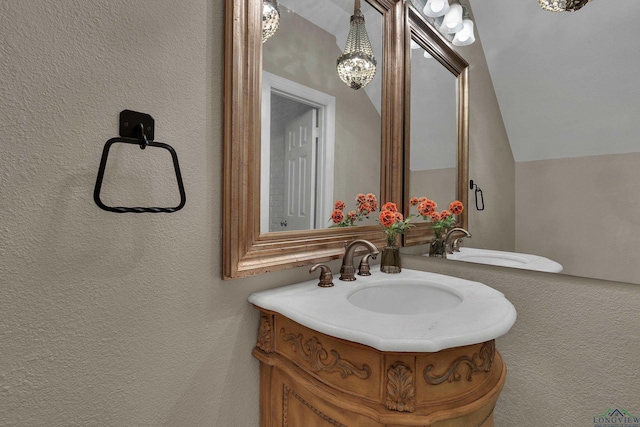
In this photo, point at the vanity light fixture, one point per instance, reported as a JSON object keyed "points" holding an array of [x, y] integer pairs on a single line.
{"points": [[357, 65], [270, 18], [562, 5], [452, 22], [436, 8], [451, 19]]}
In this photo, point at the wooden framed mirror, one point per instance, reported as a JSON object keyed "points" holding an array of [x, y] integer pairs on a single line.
{"points": [[441, 81], [246, 249]]}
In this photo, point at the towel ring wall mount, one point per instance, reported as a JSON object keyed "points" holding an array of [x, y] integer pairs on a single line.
{"points": [[138, 129]]}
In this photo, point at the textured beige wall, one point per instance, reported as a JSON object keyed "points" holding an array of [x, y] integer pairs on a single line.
{"points": [[117, 319], [573, 350], [122, 320], [580, 213]]}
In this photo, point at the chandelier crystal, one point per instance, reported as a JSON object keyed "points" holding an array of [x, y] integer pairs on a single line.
{"points": [[562, 5], [270, 18], [357, 65]]}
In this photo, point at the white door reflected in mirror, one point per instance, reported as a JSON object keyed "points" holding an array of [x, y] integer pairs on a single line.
{"points": [[300, 172], [284, 103]]}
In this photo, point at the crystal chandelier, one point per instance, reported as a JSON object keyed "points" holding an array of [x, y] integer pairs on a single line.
{"points": [[357, 65], [270, 18], [562, 5]]}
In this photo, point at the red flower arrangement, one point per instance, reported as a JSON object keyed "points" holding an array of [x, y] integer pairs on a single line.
{"points": [[393, 222]]}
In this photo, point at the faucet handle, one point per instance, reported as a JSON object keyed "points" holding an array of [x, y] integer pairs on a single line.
{"points": [[326, 277], [456, 244], [363, 268]]}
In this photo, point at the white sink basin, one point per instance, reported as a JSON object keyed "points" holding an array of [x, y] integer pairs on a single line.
{"points": [[506, 259], [405, 298], [413, 311]]}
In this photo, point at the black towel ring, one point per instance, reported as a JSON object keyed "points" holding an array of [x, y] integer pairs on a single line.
{"points": [[478, 195], [139, 134]]}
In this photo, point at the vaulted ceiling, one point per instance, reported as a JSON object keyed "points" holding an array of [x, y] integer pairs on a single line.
{"points": [[567, 83]]}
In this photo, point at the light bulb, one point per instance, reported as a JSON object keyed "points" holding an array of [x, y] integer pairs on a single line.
{"points": [[436, 8], [465, 36], [437, 5], [452, 22]]}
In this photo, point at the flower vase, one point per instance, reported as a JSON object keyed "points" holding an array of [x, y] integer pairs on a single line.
{"points": [[390, 261], [437, 248]]}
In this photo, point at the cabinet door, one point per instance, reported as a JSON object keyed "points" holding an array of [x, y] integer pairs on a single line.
{"points": [[296, 405]]}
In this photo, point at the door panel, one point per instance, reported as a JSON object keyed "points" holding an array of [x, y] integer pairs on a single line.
{"points": [[300, 158]]}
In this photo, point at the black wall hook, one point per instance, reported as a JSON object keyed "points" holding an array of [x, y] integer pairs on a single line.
{"points": [[142, 139], [138, 129]]}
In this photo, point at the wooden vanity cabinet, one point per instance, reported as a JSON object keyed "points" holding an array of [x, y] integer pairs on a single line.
{"points": [[309, 379]]}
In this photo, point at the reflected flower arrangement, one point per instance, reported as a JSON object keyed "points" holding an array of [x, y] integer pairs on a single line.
{"points": [[440, 221], [365, 204]]}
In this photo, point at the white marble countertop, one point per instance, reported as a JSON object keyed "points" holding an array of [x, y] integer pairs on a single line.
{"points": [[482, 313]]}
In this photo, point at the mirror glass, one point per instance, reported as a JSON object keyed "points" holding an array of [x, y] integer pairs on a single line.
{"points": [[366, 126], [316, 129], [569, 112], [436, 125], [434, 129]]}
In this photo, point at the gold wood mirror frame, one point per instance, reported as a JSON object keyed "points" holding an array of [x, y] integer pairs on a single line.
{"points": [[418, 29], [245, 251]]}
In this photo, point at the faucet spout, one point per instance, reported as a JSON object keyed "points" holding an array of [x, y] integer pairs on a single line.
{"points": [[347, 271], [453, 237]]}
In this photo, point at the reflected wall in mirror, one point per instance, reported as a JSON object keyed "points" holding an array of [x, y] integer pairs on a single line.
{"points": [[248, 247], [314, 127], [555, 187], [436, 124], [433, 136]]}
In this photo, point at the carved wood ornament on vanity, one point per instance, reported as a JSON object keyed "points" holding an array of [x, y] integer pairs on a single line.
{"points": [[313, 352], [486, 355], [309, 379], [400, 390]]}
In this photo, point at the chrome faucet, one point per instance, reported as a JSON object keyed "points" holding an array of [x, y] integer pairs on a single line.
{"points": [[347, 271], [452, 243]]}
